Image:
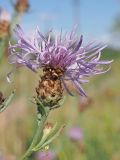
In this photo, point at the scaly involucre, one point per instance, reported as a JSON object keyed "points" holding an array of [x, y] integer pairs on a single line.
{"points": [[65, 52]]}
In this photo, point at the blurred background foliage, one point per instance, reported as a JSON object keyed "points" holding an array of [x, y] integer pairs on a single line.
{"points": [[96, 118]]}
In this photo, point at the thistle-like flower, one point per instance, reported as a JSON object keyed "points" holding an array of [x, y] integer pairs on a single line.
{"points": [[46, 155], [75, 133], [5, 19], [63, 59]]}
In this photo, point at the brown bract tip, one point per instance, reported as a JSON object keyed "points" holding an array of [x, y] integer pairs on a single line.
{"points": [[2, 99]]}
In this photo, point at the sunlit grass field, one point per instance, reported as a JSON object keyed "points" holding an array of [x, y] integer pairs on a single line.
{"points": [[99, 118]]}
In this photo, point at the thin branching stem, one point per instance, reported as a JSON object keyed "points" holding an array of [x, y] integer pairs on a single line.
{"points": [[38, 135]]}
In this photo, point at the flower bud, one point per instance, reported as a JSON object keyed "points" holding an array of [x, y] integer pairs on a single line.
{"points": [[47, 129], [22, 6], [5, 19], [50, 90]]}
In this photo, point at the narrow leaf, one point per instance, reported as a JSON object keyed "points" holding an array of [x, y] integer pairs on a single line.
{"points": [[7, 101]]}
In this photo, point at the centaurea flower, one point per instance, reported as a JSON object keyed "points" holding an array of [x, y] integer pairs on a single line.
{"points": [[64, 59], [46, 155], [75, 133]]}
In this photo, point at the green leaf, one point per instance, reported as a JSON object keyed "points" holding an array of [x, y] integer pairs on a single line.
{"points": [[48, 141], [7, 101], [47, 136]]}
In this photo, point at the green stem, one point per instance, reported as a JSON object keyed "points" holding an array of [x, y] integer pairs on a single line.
{"points": [[38, 135]]}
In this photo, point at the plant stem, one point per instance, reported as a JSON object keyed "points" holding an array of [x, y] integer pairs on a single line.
{"points": [[38, 135]]}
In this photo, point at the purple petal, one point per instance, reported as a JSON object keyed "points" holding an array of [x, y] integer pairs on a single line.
{"points": [[66, 88]]}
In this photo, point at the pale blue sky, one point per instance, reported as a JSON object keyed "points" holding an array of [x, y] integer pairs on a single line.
{"points": [[96, 16]]}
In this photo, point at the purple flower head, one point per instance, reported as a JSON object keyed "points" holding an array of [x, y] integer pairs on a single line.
{"points": [[75, 133], [67, 53], [46, 155]]}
